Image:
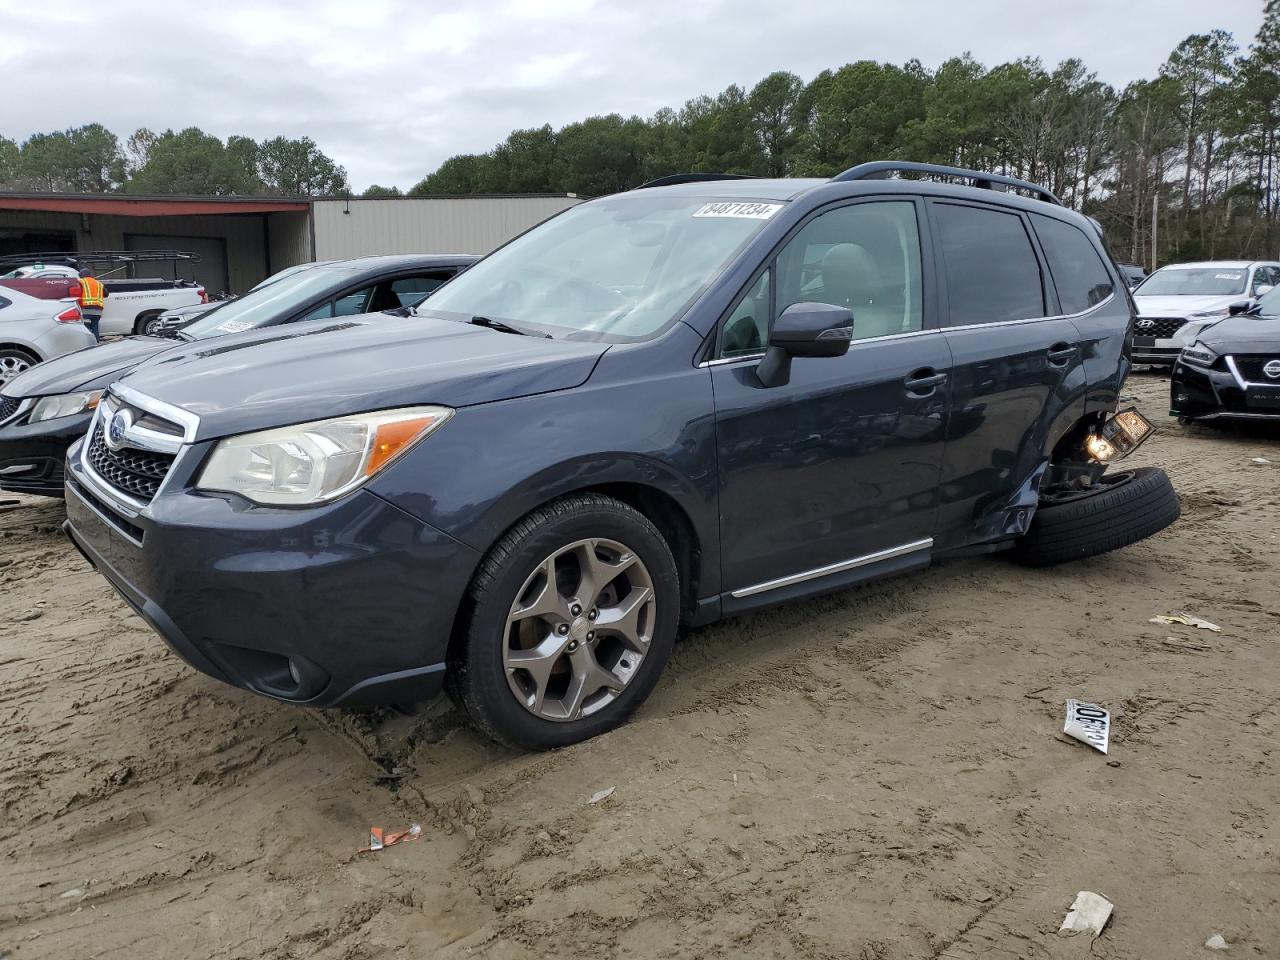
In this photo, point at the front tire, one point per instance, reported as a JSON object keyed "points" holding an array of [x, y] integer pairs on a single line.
{"points": [[1123, 508], [568, 625]]}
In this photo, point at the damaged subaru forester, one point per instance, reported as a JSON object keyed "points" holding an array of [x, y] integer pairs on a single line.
{"points": [[655, 410]]}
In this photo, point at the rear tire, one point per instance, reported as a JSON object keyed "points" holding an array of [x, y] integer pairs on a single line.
{"points": [[1126, 507], [515, 611], [142, 324], [13, 361]]}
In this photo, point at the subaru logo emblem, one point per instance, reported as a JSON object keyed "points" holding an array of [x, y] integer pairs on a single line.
{"points": [[1272, 369], [117, 427], [1146, 324]]}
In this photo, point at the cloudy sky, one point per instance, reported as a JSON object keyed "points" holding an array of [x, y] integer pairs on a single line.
{"points": [[390, 88]]}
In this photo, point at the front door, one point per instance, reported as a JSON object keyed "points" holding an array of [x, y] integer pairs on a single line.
{"points": [[840, 464]]}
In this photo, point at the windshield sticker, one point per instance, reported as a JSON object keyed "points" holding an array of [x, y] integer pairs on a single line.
{"points": [[234, 326], [742, 211], [1227, 276]]}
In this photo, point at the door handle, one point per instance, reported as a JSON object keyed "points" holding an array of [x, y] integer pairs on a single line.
{"points": [[923, 382], [1060, 354]]}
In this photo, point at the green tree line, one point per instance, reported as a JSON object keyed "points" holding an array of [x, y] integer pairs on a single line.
{"points": [[91, 159], [1202, 138]]}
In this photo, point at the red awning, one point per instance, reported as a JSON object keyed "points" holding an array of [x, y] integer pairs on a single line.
{"points": [[123, 207]]}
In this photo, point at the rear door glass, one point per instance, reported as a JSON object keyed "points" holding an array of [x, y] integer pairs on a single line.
{"points": [[991, 268], [1081, 278]]}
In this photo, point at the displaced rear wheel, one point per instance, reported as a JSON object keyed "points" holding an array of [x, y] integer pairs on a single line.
{"points": [[13, 361], [571, 619], [1122, 508]]}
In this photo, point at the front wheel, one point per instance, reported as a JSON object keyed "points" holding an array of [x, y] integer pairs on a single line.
{"points": [[570, 620], [1122, 508]]}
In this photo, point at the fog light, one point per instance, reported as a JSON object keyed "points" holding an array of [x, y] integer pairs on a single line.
{"points": [[1122, 434]]}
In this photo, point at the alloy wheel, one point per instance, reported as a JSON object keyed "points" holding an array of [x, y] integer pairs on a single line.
{"points": [[579, 629], [12, 363]]}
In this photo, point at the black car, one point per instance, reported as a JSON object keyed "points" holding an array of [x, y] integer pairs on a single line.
{"points": [[46, 409], [1231, 370], [1133, 273], [666, 406]]}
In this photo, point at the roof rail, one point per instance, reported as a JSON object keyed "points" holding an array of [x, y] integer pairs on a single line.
{"points": [[691, 178], [73, 258], [881, 169]]}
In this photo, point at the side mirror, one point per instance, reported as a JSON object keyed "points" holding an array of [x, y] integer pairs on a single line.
{"points": [[1263, 289], [1239, 307], [804, 330]]}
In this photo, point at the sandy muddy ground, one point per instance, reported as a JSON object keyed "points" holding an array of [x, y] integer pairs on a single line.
{"points": [[877, 774]]}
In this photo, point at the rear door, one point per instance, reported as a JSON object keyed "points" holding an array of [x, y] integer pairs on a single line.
{"points": [[820, 476], [1017, 370]]}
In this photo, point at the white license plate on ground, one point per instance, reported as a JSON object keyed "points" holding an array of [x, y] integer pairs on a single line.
{"points": [[1088, 723]]}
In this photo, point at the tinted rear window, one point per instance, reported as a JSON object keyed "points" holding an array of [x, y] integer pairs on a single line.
{"points": [[991, 268], [1078, 272]]}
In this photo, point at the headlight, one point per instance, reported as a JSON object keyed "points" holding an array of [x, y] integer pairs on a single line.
{"points": [[1199, 355], [64, 405], [1211, 314], [316, 462]]}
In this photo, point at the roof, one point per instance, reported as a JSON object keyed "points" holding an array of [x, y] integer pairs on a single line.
{"points": [[1226, 264], [393, 261], [750, 188], [130, 206]]}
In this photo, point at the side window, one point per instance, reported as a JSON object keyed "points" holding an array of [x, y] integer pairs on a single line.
{"points": [[865, 257], [747, 329], [320, 312], [410, 290], [991, 268], [1078, 272], [353, 303], [1265, 276]]}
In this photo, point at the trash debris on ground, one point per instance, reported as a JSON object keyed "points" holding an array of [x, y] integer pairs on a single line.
{"points": [[1260, 460], [1088, 723], [604, 794], [379, 839], [1089, 913], [1186, 619], [1217, 943]]}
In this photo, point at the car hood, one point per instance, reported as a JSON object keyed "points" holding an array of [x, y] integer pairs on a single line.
{"points": [[1183, 306], [328, 368], [1243, 334], [86, 367]]}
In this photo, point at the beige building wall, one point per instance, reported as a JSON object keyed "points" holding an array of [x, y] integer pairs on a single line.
{"points": [[359, 227]]}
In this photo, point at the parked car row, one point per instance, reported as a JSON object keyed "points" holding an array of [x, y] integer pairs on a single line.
{"points": [[48, 409], [658, 408]]}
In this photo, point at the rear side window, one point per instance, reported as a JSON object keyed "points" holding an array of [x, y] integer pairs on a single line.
{"points": [[4, 303], [991, 267], [1078, 272]]}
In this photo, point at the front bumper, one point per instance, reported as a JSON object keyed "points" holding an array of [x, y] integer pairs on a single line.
{"points": [[32, 455], [351, 603], [1197, 393], [1156, 351]]}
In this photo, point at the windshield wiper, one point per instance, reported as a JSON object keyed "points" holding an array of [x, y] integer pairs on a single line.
{"points": [[504, 327]]}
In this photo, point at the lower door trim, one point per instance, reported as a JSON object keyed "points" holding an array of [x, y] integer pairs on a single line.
{"points": [[832, 568]]}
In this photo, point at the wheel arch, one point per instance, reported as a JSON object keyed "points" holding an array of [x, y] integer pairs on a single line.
{"points": [[142, 316]]}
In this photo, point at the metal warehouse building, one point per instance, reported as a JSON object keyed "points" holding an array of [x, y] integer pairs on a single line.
{"points": [[242, 240]]}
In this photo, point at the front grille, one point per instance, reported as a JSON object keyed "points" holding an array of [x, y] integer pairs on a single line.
{"points": [[137, 473], [8, 407], [1250, 368], [1162, 328]]}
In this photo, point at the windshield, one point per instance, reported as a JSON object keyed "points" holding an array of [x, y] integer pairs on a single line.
{"points": [[616, 269], [1194, 282], [265, 304]]}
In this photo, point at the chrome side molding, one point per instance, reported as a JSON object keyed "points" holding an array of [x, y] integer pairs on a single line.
{"points": [[862, 561]]}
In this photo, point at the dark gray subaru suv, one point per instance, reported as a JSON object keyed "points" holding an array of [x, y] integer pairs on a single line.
{"points": [[659, 408]]}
